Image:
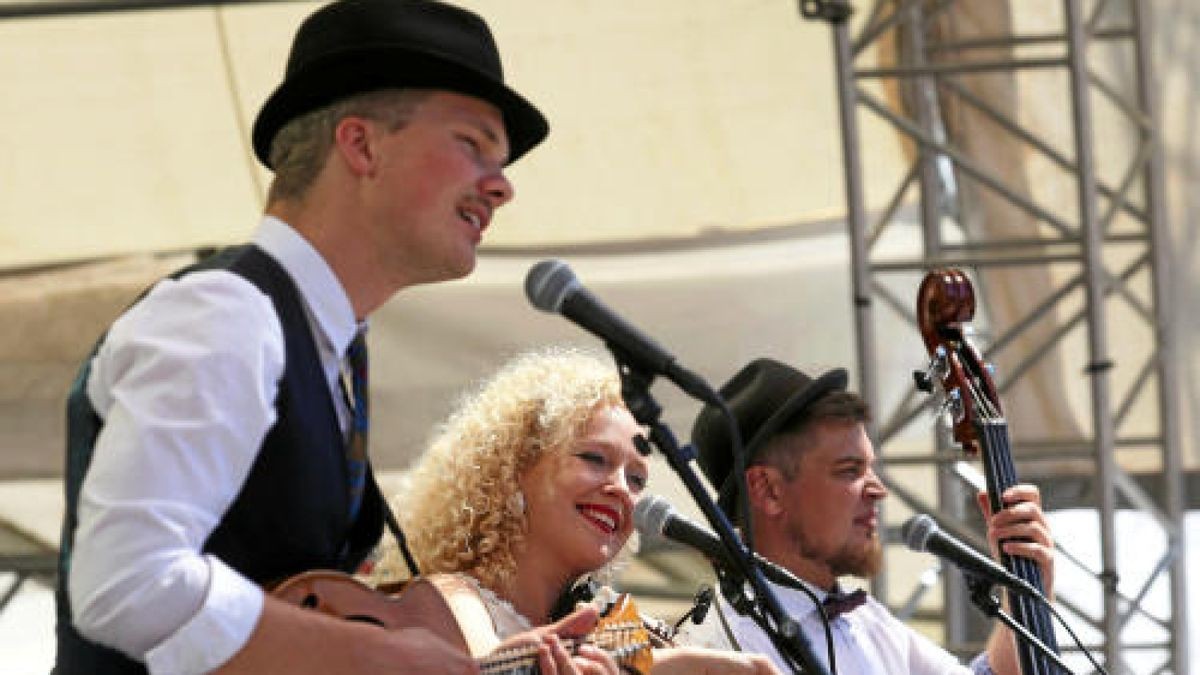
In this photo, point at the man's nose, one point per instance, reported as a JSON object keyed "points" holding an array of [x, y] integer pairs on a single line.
{"points": [[497, 188], [875, 489]]}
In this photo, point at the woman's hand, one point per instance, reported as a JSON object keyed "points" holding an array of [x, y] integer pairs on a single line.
{"points": [[553, 657]]}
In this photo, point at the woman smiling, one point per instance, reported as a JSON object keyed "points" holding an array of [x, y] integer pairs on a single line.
{"points": [[528, 487]]}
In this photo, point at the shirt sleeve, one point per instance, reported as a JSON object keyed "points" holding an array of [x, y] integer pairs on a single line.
{"points": [[185, 383]]}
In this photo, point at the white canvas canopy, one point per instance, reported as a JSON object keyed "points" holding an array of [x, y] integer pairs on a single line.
{"points": [[673, 124]]}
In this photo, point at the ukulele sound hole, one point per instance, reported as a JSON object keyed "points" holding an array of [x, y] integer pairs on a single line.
{"points": [[310, 601]]}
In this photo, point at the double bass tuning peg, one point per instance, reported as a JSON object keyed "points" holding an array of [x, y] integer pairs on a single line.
{"points": [[952, 406], [923, 379]]}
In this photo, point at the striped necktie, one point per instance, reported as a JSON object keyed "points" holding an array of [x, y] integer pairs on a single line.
{"points": [[356, 441]]}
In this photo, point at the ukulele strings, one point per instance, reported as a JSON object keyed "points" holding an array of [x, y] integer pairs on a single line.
{"points": [[620, 640]]}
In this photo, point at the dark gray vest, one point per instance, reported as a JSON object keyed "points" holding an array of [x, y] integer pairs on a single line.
{"points": [[291, 515]]}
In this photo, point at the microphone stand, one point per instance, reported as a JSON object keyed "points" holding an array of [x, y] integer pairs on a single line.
{"points": [[981, 596], [788, 638]]}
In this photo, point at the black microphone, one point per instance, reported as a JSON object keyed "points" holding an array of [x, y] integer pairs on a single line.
{"points": [[921, 533], [551, 286], [653, 516]]}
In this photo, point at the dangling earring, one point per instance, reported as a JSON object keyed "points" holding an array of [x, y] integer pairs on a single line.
{"points": [[516, 502]]}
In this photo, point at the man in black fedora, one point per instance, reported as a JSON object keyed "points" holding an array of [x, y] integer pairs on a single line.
{"points": [[812, 501], [217, 434]]}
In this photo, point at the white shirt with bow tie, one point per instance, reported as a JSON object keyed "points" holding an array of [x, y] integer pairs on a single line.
{"points": [[868, 640]]}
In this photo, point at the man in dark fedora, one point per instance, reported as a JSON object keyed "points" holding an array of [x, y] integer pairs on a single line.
{"points": [[217, 434], [812, 501]]}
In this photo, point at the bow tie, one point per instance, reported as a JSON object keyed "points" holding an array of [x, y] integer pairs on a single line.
{"points": [[838, 602]]}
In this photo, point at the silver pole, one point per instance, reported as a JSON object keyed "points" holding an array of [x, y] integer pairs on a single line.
{"points": [[1175, 502], [856, 220], [1099, 363]]}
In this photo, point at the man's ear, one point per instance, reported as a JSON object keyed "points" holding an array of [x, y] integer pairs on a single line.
{"points": [[765, 489], [354, 142]]}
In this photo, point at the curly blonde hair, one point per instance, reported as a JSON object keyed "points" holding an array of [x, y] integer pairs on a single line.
{"points": [[463, 511]]}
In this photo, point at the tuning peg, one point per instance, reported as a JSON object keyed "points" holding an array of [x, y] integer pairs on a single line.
{"points": [[923, 380], [952, 405], [950, 410]]}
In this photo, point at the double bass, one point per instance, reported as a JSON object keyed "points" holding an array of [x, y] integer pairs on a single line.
{"points": [[945, 302]]}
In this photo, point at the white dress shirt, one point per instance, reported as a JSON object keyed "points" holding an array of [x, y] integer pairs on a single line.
{"points": [[868, 640], [185, 383]]}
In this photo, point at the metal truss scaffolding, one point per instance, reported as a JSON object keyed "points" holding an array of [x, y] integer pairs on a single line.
{"points": [[1105, 245]]}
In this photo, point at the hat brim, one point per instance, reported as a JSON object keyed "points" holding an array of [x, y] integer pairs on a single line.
{"points": [[369, 68], [834, 380]]}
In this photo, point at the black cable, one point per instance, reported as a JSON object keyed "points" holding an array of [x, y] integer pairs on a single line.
{"points": [[743, 500], [235, 97], [398, 532], [824, 624], [1079, 643], [746, 607]]}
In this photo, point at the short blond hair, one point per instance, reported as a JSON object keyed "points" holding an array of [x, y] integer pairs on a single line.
{"points": [[300, 148], [463, 511]]}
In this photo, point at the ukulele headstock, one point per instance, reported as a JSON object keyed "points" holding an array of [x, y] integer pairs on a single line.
{"points": [[623, 634]]}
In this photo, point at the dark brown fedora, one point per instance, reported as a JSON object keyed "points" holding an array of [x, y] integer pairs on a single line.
{"points": [[353, 46], [764, 396]]}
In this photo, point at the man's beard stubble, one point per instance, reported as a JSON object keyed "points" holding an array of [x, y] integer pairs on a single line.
{"points": [[863, 561]]}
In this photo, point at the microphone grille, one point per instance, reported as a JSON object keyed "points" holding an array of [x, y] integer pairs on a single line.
{"points": [[917, 530], [548, 283], [650, 515]]}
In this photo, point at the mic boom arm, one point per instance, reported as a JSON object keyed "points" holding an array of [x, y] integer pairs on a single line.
{"points": [[784, 632], [551, 286]]}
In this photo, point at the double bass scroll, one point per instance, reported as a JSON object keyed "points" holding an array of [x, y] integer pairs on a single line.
{"points": [[945, 302]]}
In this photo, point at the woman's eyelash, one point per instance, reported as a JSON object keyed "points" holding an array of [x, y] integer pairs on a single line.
{"points": [[600, 459]]}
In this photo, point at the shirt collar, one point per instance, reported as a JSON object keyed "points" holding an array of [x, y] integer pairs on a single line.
{"points": [[326, 299], [797, 601]]}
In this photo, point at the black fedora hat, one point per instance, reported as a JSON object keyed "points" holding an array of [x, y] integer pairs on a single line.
{"points": [[353, 46], [763, 396]]}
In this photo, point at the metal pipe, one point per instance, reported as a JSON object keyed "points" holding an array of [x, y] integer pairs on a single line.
{"points": [[964, 163], [856, 221], [1038, 144], [1174, 495], [1098, 355], [940, 70], [1023, 40], [33, 10]]}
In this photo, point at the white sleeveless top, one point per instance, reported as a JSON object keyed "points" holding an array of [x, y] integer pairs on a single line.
{"points": [[506, 620]]}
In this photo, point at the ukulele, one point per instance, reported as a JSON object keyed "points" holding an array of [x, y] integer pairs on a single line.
{"points": [[944, 302], [620, 631]]}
